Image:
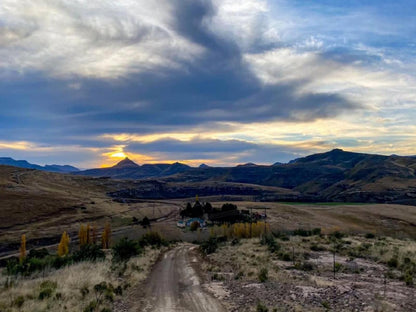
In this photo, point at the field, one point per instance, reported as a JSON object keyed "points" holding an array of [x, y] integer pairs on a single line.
{"points": [[299, 276], [375, 253]]}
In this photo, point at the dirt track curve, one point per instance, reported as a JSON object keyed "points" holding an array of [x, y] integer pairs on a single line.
{"points": [[173, 285]]}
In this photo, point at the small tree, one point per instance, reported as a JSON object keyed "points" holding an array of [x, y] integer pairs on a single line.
{"points": [[83, 235], [22, 249], [106, 236], [145, 222], [194, 226], [63, 247]]}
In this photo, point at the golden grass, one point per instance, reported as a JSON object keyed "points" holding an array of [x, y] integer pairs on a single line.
{"points": [[70, 281]]}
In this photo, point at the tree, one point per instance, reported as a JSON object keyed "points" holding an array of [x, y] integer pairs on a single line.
{"points": [[228, 207], [145, 222], [22, 249], [106, 236], [63, 247], [83, 235], [197, 210], [208, 208]]}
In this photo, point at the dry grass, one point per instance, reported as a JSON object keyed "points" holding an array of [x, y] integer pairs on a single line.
{"points": [[359, 282], [71, 281]]}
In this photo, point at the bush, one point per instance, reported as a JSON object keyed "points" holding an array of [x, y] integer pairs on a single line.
{"points": [[38, 253], [316, 247], [125, 249], [271, 243], [263, 275], [261, 307], [209, 246], [91, 306], [145, 222], [338, 266], [393, 262], [152, 238], [408, 278], [316, 231], [194, 226], [304, 266], [370, 235], [89, 252], [19, 301], [228, 207], [46, 289]]}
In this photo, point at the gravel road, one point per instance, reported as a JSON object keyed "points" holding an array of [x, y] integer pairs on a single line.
{"points": [[174, 285]]}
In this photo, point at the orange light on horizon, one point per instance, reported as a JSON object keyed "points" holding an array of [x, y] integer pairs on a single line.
{"points": [[118, 155]]}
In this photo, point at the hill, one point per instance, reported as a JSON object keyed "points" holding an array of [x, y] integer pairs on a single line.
{"points": [[127, 169], [336, 175], [25, 164]]}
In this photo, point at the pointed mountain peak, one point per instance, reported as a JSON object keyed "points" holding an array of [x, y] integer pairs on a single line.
{"points": [[126, 163]]}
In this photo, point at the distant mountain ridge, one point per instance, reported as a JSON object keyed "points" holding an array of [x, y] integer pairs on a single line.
{"points": [[8, 161], [127, 169]]}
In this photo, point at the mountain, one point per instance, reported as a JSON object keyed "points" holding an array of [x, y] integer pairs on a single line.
{"points": [[127, 169], [336, 175], [24, 164]]}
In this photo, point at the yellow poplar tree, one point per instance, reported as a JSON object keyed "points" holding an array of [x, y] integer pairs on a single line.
{"points": [[106, 236], [83, 235], [63, 247], [22, 249]]}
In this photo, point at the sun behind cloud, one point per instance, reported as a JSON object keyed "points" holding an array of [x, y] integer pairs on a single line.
{"points": [[118, 155]]}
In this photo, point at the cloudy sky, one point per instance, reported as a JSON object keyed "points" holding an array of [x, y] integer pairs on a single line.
{"points": [[219, 82]]}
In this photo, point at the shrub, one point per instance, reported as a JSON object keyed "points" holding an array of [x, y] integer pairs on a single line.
{"points": [[285, 257], [304, 266], [145, 222], [316, 247], [316, 231], [408, 278], [370, 235], [393, 262], [91, 306], [152, 238], [194, 226], [38, 253], [337, 266], [19, 301], [261, 307], [271, 243], [263, 275], [209, 246], [46, 289], [84, 291], [89, 252], [125, 249]]}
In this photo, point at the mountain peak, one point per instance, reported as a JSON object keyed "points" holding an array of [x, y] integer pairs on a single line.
{"points": [[126, 163]]}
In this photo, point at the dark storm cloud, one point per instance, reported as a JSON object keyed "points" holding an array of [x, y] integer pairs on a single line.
{"points": [[218, 150]]}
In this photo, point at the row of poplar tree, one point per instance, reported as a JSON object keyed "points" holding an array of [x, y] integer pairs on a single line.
{"points": [[87, 235]]}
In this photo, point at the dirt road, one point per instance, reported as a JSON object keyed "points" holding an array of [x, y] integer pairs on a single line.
{"points": [[174, 285]]}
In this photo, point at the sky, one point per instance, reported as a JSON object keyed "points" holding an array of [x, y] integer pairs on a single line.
{"points": [[219, 82]]}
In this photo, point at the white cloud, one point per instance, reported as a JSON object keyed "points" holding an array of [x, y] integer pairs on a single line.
{"points": [[102, 39]]}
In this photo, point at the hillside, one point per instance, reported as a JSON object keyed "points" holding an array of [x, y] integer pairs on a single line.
{"points": [[336, 175], [127, 169], [333, 176], [25, 164]]}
